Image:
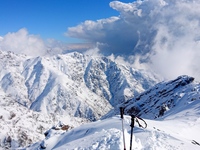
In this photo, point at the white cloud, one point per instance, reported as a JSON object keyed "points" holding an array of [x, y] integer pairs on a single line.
{"points": [[111, 33], [91, 30], [165, 34], [22, 42], [176, 49], [123, 7], [93, 52], [1, 38]]}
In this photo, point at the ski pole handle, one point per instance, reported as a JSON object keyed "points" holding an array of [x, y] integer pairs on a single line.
{"points": [[132, 121], [122, 112]]}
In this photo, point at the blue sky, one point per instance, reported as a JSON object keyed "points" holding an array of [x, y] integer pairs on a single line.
{"points": [[51, 18]]}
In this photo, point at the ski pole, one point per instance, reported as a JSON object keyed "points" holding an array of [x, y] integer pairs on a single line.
{"points": [[122, 118], [133, 119], [132, 126]]}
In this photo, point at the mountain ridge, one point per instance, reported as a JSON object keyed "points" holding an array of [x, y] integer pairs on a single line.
{"points": [[162, 98]]}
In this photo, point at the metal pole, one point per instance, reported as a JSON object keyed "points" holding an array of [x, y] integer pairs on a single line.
{"points": [[132, 126], [122, 118]]}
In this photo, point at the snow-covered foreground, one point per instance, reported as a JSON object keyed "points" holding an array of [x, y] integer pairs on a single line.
{"points": [[177, 132], [175, 128]]}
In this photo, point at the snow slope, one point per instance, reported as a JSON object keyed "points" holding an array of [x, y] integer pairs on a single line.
{"points": [[176, 129], [168, 134], [20, 126]]}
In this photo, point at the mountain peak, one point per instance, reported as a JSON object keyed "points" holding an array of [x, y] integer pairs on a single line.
{"points": [[163, 98]]}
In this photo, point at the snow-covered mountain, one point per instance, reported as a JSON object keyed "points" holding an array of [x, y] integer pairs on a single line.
{"points": [[73, 83], [38, 92], [163, 98], [171, 110]]}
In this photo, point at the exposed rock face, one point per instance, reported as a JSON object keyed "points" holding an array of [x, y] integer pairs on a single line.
{"points": [[164, 97]]}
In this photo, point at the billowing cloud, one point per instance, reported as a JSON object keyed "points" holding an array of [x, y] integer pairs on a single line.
{"points": [[164, 34], [21, 42], [118, 34], [175, 46]]}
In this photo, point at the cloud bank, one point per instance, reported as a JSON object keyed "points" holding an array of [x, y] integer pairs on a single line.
{"points": [[164, 34], [21, 42]]}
